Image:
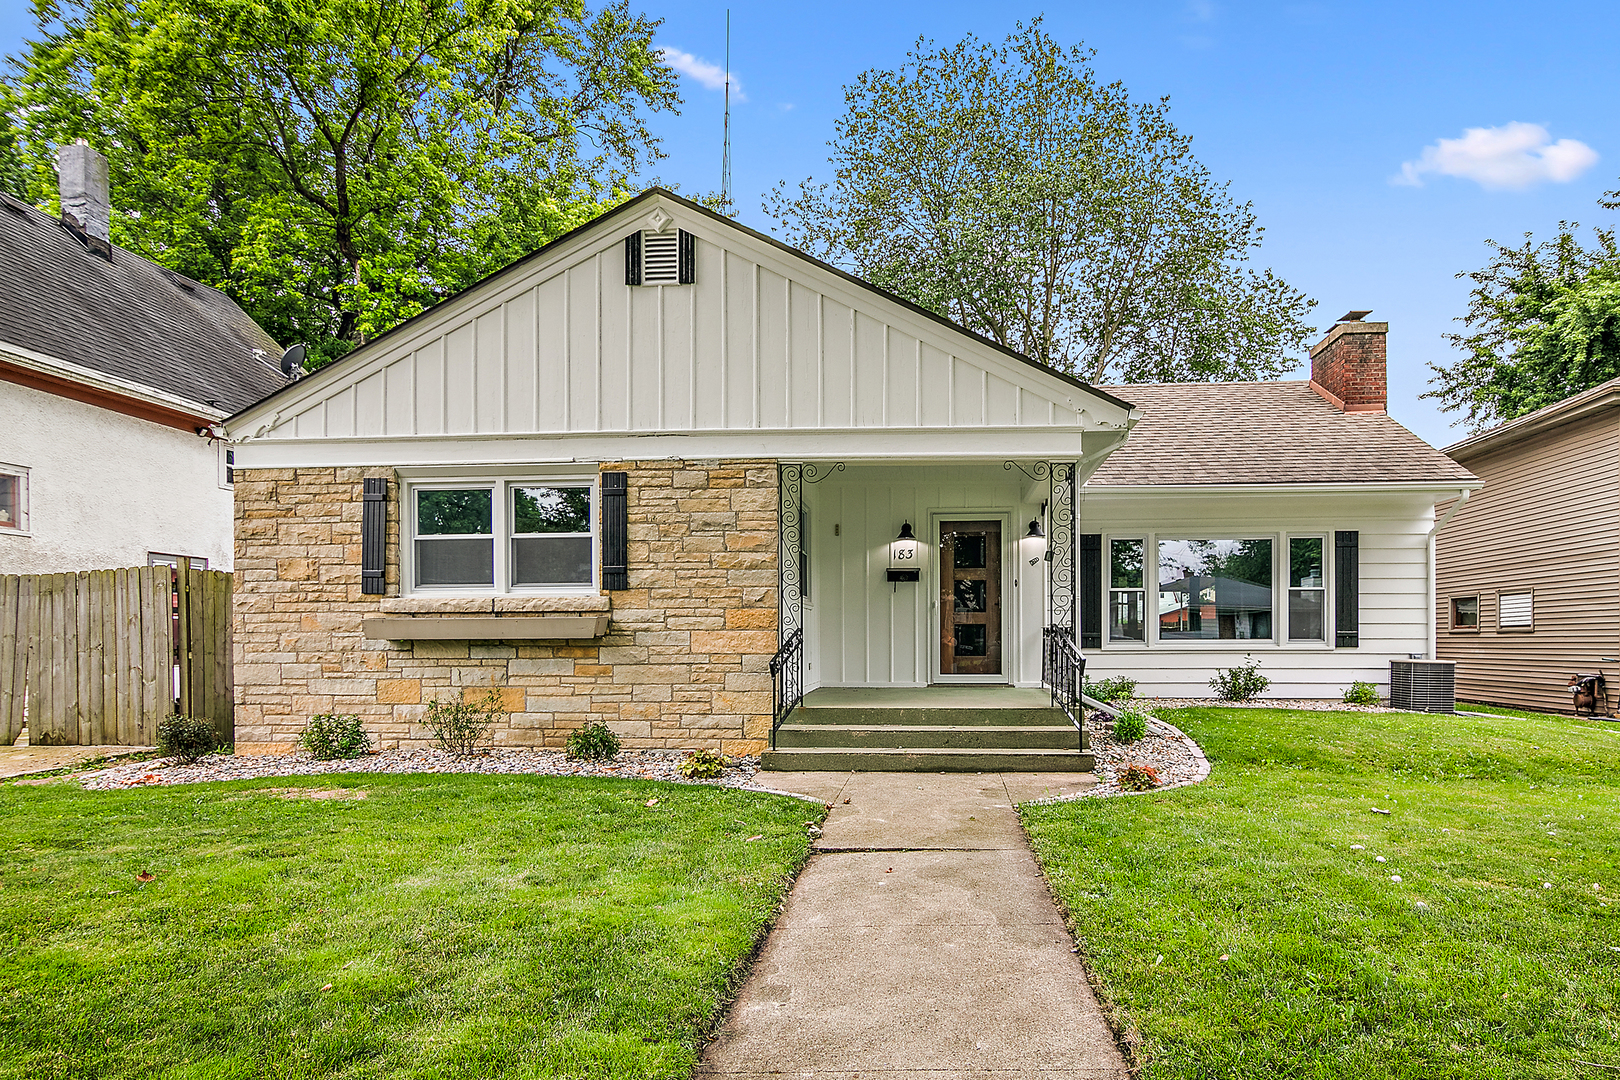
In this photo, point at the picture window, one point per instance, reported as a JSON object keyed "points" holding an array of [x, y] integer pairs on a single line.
{"points": [[1215, 590]]}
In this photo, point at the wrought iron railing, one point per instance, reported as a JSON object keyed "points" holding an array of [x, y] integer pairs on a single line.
{"points": [[787, 680], [1063, 672]]}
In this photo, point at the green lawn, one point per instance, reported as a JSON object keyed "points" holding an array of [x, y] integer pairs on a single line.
{"points": [[443, 926], [1333, 969]]}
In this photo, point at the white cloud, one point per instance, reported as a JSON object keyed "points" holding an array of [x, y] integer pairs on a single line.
{"points": [[709, 76], [1514, 157], [1201, 10]]}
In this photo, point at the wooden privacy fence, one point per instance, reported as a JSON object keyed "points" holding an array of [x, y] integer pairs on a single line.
{"points": [[99, 657]]}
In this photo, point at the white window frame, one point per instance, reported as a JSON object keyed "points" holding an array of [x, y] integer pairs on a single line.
{"points": [[1148, 615], [24, 525], [1285, 575], [227, 463], [165, 558], [1279, 608], [500, 486]]}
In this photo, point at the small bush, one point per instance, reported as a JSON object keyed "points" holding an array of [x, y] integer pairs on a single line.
{"points": [[186, 738], [1130, 725], [334, 736], [1137, 777], [593, 742], [704, 765], [1361, 693], [459, 726], [1241, 683], [1108, 691]]}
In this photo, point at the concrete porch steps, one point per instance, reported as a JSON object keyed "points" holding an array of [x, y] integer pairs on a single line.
{"points": [[929, 729]]}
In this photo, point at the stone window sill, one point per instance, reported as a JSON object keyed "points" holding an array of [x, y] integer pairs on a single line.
{"points": [[496, 605], [555, 627]]}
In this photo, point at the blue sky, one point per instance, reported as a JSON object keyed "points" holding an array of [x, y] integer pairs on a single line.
{"points": [[1310, 110]]}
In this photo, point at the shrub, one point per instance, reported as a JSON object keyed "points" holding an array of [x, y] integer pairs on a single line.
{"points": [[704, 765], [459, 726], [186, 738], [331, 736], [1138, 777], [1107, 691], [1130, 725], [1361, 693], [1241, 683], [593, 742]]}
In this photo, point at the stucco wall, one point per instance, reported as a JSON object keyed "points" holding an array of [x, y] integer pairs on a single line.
{"points": [[685, 662], [106, 489]]}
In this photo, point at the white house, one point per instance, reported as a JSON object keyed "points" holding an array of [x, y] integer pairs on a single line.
{"points": [[628, 477], [113, 370]]}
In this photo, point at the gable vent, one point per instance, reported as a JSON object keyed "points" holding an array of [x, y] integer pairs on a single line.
{"points": [[653, 258]]}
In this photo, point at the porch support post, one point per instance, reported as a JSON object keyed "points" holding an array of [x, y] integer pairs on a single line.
{"points": [[789, 527], [1060, 547]]}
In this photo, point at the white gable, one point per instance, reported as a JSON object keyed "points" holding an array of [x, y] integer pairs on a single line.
{"points": [[764, 341]]}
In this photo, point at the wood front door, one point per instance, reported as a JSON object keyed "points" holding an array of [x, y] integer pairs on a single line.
{"points": [[970, 598]]}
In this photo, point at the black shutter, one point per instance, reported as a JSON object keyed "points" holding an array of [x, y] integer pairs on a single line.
{"points": [[1347, 589], [688, 259], [615, 530], [1091, 603], [632, 259], [374, 538]]}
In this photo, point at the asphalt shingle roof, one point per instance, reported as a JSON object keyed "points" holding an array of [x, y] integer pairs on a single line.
{"points": [[1263, 433], [127, 317]]}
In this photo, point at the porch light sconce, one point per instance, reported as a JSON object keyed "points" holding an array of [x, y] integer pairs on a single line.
{"points": [[903, 556], [1035, 532]]}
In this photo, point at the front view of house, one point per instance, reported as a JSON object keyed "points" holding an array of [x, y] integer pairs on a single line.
{"points": [[620, 477]]}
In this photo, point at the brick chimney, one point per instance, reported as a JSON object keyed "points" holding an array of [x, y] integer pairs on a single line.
{"points": [[86, 200], [1348, 366]]}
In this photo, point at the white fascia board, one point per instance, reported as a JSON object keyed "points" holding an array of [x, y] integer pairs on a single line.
{"points": [[111, 384], [945, 444], [1104, 412], [1371, 487]]}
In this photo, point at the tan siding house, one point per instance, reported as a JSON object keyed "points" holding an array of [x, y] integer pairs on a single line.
{"points": [[1533, 559]]}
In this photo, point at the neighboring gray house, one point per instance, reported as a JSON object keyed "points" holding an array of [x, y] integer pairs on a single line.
{"points": [[113, 372]]}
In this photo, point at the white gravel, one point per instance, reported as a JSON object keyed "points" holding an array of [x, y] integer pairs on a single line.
{"points": [[1309, 704], [1166, 748], [631, 765]]}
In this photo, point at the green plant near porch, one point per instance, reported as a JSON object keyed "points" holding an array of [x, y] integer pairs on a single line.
{"points": [[460, 727], [442, 926], [1289, 950]]}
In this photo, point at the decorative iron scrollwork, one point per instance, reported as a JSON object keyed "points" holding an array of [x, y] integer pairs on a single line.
{"points": [[790, 533], [1060, 544]]}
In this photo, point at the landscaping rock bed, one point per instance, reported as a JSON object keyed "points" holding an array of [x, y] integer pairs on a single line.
{"points": [[1308, 704], [1165, 748], [630, 765]]}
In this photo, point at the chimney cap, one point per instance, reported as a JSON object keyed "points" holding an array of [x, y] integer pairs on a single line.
{"points": [[1354, 316]]}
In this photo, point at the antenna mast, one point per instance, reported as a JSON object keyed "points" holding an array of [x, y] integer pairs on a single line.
{"points": [[725, 158]]}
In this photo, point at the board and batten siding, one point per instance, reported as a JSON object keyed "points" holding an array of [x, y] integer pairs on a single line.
{"points": [[762, 341], [1547, 521], [864, 630], [1394, 568]]}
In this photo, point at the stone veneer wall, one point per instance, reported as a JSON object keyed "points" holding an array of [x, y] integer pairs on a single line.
{"points": [[685, 662]]}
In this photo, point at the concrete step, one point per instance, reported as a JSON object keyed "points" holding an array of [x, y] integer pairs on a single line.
{"points": [[800, 735], [876, 759], [878, 715]]}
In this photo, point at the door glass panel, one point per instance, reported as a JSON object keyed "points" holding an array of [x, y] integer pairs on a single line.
{"points": [[970, 551], [970, 640], [970, 596]]}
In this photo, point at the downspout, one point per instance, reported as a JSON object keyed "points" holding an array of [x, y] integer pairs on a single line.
{"points": [[1433, 622]]}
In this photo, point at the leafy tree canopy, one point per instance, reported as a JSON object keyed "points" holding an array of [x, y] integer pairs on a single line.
{"points": [[339, 165], [1543, 324], [1004, 187]]}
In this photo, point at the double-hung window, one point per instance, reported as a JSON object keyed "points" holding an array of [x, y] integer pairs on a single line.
{"points": [[503, 535], [1125, 592], [1307, 589]]}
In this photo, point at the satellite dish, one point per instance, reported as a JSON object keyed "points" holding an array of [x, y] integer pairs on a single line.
{"points": [[292, 361]]}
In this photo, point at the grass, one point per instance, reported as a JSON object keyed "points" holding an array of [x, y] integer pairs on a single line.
{"points": [[442, 926], [1469, 966]]}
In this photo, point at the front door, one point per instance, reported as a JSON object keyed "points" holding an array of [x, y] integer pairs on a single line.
{"points": [[970, 598]]}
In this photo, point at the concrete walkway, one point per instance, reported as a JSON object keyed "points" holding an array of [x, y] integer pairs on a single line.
{"points": [[920, 942], [23, 760]]}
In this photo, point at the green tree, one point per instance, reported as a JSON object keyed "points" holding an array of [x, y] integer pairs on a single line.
{"points": [[339, 165], [1004, 187], [1543, 324]]}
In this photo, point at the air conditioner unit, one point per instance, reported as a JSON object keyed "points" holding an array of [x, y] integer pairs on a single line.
{"points": [[1423, 685]]}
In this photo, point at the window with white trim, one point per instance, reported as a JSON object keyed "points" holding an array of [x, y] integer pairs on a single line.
{"points": [[1215, 590], [13, 499], [1516, 611], [1126, 595], [163, 558], [1307, 589], [504, 535]]}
